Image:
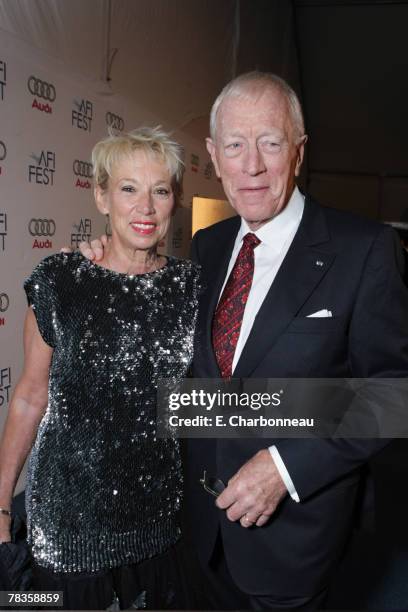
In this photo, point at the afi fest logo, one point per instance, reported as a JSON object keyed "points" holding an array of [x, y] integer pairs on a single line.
{"points": [[82, 232], [83, 173], [44, 94], [5, 384], [208, 170], [4, 304], [82, 114], [195, 162], [42, 172], [3, 79], [177, 240], [3, 154], [3, 230], [114, 121], [42, 228]]}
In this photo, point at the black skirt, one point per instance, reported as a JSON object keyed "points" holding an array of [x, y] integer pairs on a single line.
{"points": [[159, 583]]}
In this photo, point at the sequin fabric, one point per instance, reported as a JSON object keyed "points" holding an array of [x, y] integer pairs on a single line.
{"points": [[230, 310], [103, 490]]}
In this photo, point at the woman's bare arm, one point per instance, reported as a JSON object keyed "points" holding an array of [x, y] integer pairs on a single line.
{"points": [[26, 410]]}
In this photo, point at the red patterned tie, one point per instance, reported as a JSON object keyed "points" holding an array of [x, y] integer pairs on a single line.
{"points": [[230, 310]]}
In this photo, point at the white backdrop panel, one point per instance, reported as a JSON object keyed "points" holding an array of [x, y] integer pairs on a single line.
{"points": [[49, 121]]}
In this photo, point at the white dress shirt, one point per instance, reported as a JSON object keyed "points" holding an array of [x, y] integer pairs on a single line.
{"points": [[276, 237]]}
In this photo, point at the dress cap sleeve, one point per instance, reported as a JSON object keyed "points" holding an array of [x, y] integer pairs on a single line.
{"points": [[40, 288]]}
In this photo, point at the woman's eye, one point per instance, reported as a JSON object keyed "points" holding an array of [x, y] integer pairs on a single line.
{"points": [[128, 188], [162, 191]]}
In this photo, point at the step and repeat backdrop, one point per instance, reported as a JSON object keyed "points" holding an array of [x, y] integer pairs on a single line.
{"points": [[49, 122]]}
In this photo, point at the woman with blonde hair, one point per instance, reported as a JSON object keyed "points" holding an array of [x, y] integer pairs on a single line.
{"points": [[103, 491]]}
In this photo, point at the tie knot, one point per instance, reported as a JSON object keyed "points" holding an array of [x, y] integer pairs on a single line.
{"points": [[250, 240]]}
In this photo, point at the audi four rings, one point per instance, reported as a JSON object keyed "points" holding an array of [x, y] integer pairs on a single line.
{"points": [[42, 227], [4, 302], [3, 150], [42, 89], [114, 121], [82, 168]]}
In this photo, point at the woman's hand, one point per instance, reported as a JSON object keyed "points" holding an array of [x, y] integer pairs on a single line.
{"points": [[5, 524]]}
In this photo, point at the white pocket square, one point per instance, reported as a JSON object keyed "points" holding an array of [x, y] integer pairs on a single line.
{"points": [[320, 314]]}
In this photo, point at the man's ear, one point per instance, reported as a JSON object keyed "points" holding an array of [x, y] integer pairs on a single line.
{"points": [[101, 200], [300, 154], [211, 148]]}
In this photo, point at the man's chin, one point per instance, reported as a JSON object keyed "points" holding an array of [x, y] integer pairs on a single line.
{"points": [[257, 214], [255, 225], [255, 218]]}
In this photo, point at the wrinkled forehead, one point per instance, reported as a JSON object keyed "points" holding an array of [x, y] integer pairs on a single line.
{"points": [[261, 107]]}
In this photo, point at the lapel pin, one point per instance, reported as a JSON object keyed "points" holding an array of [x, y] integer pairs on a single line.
{"points": [[319, 262]]}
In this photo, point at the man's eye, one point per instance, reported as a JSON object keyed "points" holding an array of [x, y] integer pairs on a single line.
{"points": [[128, 188], [233, 149], [271, 145]]}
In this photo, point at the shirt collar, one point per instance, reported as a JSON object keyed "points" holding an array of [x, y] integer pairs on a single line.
{"points": [[280, 228]]}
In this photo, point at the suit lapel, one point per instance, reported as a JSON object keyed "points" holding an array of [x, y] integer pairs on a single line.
{"points": [[301, 271]]}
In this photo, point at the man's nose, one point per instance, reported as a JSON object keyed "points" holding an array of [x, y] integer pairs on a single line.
{"points": [[254, 163]]}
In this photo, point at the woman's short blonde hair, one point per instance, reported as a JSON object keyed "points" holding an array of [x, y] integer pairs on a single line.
{"points": [[110, 151]]}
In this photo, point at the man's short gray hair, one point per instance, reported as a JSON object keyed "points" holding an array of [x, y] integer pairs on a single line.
{"points": [[248, 84]]}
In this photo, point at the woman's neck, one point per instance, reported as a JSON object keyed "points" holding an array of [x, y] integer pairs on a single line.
{"points": [[131, 261]]}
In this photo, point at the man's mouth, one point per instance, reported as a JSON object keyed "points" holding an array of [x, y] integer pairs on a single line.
{"points": [[143, 227], [253, 189]]}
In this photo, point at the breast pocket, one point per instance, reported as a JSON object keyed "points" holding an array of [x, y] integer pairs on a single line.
{"points": [[317, 325]]}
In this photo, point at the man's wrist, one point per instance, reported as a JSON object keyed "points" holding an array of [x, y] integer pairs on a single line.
{"points": [[284, 474]]}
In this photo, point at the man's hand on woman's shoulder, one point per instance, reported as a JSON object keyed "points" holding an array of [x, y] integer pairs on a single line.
{"points": [[93, 250]]}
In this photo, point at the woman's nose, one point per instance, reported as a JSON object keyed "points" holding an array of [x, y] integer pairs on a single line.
{"points": [[145, 204]]}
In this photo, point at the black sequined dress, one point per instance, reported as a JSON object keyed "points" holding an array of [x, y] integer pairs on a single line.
{"points": [[103, 491]]}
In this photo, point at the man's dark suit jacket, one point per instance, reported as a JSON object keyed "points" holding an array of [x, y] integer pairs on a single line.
{"points": [[367, 336]]}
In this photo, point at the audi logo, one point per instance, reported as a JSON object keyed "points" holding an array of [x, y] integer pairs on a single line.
{"points": [[3, 150], [82, 168], [42, 89], [114, 121], [4, 302], [42, 227]]}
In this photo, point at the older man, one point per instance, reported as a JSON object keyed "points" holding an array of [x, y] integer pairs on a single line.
{"points": [[273, 535], [289, 258]]}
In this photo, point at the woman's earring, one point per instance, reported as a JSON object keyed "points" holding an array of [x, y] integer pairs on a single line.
{"points": [[108, 229]]}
